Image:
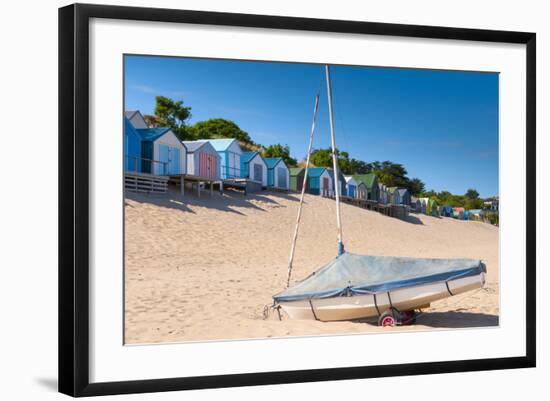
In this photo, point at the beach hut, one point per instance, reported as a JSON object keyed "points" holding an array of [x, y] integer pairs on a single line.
{"points": [[371, 184], [202, 160], [447, 211], [432, 208], [425, 202], [296, 178], [394, 196], [254, 167], [473, 214], [351, 187], [132, 147], [162, 153], [416, 205], [278, 175], [319, 181], [341, 181], [361, 191], [136, 118], [405, 196], [230, 157], [383, 195]]}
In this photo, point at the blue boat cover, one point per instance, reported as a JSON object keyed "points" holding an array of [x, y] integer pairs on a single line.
{"points": [[351, 274]]}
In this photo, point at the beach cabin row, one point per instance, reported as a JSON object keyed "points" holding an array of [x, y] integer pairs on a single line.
{"points": [[157, 151], [320, 181]]}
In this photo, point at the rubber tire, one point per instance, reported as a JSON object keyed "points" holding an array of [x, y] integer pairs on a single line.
{"points": [[387, 319]]}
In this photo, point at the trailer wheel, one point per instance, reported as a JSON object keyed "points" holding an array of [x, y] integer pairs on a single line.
{"points": [[387, 319]]}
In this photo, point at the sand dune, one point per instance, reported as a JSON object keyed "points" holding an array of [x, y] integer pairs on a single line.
{"points": [[204, 269]]}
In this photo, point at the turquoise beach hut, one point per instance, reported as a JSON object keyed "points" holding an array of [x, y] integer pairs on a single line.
{"points": [[320, 181], [230, 153], [278, 175]]}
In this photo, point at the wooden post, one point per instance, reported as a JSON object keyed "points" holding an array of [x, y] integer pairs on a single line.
{"points": [[182, 185], [211, 188]]}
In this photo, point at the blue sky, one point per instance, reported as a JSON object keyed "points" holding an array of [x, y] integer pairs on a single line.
{"points": [[441, 125]]}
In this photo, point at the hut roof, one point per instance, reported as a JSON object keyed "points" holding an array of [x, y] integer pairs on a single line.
{"points": [[273, 161], [193, 146], [295, 170], [316, 171], [130, 113], [247, 156], [402, 191], [367, 179], [391, 190], [128, 127], [221, 144], [152, 134], [331, 173], [349, 179]]}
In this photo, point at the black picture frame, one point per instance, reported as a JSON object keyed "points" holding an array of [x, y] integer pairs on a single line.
{"points": [[74, 198]]}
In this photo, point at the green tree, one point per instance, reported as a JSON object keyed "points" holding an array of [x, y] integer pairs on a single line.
{"points": [[152, 121], [391, 174], [219, 128], [282, 151], [173, 114], [323, 158], [415, 186], [471, 194]]}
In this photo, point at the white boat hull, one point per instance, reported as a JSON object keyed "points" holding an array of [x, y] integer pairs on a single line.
{"points": [[369, 305]]}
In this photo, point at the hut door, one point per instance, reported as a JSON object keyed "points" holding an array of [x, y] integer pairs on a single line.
{"points": [[258, 172], [174, 164], [203, 165], [161, 168], [325, 185], [208, 166], [281, 177]]}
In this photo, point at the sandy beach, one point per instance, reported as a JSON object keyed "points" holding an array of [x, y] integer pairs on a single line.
{"points": [[204, 268]]}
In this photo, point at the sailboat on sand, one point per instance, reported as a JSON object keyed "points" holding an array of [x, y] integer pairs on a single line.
{"points": [[362, 286]]}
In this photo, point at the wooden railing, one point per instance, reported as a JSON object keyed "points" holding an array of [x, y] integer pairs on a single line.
{"points": [[136, 165]]}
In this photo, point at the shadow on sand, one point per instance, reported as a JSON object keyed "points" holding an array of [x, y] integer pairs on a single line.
{"points": [[230, 201], [457, 319], [413, 220], [448, 320]]}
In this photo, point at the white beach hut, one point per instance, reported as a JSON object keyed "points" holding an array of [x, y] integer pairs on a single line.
{"points": [[136, 118], [202, 160], [254, 167], [162, 152]]}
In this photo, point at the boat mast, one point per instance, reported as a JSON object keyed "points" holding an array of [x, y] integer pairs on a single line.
{"points": [[335, 165], [304, 184]]}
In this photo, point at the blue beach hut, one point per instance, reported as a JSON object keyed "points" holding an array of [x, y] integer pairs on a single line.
{"points": [[230, 153], [132, 147], [351, 187]]}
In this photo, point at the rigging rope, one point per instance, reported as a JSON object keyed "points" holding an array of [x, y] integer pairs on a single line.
{"points": [[293, 246], [336, 181]]}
